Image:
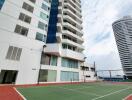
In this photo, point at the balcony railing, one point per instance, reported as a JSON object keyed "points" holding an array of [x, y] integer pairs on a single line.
{"points": [[72, 54]]}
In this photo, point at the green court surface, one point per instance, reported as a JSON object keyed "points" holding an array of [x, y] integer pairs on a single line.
{"points": [[85, 91]]}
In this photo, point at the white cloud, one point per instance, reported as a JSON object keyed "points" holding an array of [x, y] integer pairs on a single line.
{"points": [[99, 43], [110, 13]]}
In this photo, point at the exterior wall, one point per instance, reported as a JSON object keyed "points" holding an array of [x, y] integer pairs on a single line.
{"points": [[88, 73], [29, 62], [123, 30]]}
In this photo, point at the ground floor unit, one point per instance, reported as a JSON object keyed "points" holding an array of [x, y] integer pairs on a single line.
{"points": [[44, 75]]}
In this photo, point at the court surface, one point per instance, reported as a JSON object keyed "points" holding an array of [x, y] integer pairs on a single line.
{"points": [[82, 91]]}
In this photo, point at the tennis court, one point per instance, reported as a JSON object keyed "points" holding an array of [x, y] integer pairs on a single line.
{"points": [[82, 91]]}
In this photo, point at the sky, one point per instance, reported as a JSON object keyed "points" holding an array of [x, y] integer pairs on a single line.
{"points": [[100, 45]]}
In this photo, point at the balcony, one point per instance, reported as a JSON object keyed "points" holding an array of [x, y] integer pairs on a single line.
{"points": [[59, 37], [127, 72], [71, 34], [72, 54], [75, 5], [73, 43], [72, 27], [74, 10], [72, 20], [70, 13], [54, 49]]}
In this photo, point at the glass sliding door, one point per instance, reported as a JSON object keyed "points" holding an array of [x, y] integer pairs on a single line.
{"points": [[48, 76], [70, 63], [8, 76], [69, 76], [53, 61], [49, 60], [43, 75], [52, 76]]}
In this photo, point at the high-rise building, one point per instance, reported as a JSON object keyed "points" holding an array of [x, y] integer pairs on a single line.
{"points": [[23, 32], [64, 52], [41, 41], [123, 35]]}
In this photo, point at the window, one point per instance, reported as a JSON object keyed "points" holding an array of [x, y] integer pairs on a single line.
{"points": [[33, 1], [69, 76], [41, 37], [93, 69], [53, 61], [21, 30], [27, 7], [45, 59], [69, 63], [88, 76], [64, 46], [42, 26], [1, 3], [49, 60], [45, 7], [14, 53], [47, 76], [44, 16], [25, 18]]}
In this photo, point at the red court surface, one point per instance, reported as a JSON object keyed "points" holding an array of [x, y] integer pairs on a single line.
{"points": [[129, 97], [9, 93]]}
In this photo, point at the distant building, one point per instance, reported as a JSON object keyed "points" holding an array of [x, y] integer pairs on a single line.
{"points": [[123, 34], [88, 72]]}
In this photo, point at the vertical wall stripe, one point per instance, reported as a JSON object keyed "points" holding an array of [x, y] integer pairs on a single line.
{"points": [[52, 28]]}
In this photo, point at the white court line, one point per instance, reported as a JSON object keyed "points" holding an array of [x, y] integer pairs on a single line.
{"points": [[19, 93], [84, 87], [111, 93], [80, 91], [127, 97]]}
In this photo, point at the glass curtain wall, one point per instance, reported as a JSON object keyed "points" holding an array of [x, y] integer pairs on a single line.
{"points": [[69, 76], [69, 63]]}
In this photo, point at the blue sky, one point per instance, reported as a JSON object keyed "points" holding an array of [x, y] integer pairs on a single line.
{"points": [[98, 16]]}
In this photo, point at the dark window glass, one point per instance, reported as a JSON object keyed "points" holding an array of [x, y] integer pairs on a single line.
{"points": [[27, 7], [25, 18], [21, 30], [40, 37], [33, 1], [42, 26]]}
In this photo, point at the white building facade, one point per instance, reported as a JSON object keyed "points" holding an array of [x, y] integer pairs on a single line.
{"points": [[88, 72], [26, 27], [23, 32]]}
